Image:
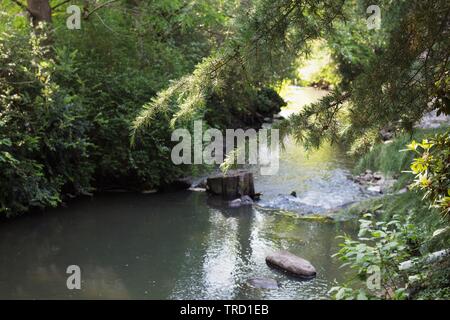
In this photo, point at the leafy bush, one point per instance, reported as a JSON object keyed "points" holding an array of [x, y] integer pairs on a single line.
{"points": [[67, 100], [268, 102], [44, 143], [383, 245], [376, 256], [432, 170], [386, 157]]}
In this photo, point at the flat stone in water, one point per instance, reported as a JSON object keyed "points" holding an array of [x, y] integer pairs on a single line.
{"points": [[292, 264], [263, 283]]}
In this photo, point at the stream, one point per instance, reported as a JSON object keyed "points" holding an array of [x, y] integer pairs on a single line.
{"points": [[179, 245]]}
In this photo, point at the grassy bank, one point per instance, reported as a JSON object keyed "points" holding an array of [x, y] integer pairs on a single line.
{"points": [[427, 230], [389, 159]]}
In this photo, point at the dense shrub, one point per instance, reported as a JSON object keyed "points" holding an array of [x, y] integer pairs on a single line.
{"points": [[68, 97], [414, 231], [44, 142]]}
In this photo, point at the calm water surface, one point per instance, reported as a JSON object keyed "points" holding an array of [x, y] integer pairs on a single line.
{"points": [[183, 245]]}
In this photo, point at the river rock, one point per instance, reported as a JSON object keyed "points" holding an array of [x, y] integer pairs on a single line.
{"points": [[291, 264], [244, 201], [386, 134], [235, 203], [377, 176], [199, 184], [374, 189], [263, 283]]}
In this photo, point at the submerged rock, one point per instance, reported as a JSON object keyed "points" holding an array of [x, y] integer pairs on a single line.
{"points": [[263, 283], [243, 201], [291, 264], [235, 203]]}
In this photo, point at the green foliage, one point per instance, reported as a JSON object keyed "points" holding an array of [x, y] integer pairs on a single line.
{"points": [[432, 170], [316, 67], [268, 102], [386, 157], [44, 145], [68, 99], [230, 162], [390, 77], [375, 256], [406, 227], [263, 43]]}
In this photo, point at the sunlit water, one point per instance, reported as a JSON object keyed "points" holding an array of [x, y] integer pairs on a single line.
{"points": [[320, 180], [183, 245]]}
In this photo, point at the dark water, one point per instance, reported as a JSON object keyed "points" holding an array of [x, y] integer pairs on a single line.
{"points": [[160, 247], [183, 245]]}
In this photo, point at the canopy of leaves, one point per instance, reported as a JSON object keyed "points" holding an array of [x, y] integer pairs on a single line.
{"points": [[391, 76]]}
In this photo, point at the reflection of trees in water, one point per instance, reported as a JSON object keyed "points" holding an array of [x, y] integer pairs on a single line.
{"points": [[122, 244]]}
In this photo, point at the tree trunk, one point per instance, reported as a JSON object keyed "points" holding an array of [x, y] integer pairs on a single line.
{"points": [[40, 11], [233, 185]]}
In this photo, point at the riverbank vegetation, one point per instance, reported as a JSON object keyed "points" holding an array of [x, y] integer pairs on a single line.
{"points": [[68, 97], [407, 225]]}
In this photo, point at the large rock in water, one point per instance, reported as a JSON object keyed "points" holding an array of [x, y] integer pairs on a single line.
{"points": [[232, 185], [292, 264]]}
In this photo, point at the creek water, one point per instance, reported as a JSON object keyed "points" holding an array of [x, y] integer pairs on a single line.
{"points": [[182, 245]]}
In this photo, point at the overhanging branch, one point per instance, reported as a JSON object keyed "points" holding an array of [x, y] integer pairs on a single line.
{"points": [[60, 4]]}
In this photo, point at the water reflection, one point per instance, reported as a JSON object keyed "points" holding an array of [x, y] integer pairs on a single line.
{"points": [[180, 245]]}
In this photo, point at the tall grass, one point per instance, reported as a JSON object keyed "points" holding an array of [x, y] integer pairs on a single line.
{"points": [[390, 160]]}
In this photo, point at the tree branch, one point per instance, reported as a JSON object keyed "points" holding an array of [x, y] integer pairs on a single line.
{"points": [[24, 7], [20, 4], [60, 4]]}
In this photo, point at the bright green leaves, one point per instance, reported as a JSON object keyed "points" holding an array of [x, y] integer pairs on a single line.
{"points": [[432, 170], [375, 256]]}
